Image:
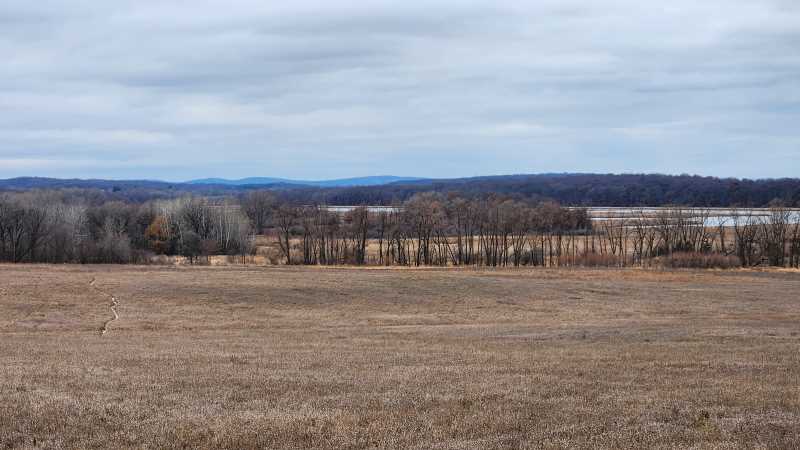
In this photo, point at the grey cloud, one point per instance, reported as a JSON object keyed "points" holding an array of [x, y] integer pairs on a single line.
{"points": [[315, 90]]}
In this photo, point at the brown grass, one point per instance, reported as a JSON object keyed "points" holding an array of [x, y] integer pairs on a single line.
{"points": [[696, 260], [238, 357]]}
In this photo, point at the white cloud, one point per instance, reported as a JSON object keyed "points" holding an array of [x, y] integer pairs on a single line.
{"points": [[86, 136], [519, 129]]}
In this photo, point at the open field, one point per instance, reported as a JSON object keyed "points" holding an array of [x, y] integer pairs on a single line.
{"points": [[285, 357]]}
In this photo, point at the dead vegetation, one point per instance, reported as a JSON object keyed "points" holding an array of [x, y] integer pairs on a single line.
{"points": [[291, 357]]}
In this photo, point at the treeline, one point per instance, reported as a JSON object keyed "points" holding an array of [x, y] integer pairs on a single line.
{"points": [[680, 237], [433, 229], [52, 227], [429, 229]]}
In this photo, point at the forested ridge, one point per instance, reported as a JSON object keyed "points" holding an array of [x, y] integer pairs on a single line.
{"points": [[565, 189], [582, 190]]}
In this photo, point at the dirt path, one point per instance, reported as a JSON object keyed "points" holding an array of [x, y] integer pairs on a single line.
{"points": [[114, 304]]}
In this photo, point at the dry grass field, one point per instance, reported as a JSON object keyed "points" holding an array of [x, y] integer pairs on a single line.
{"points": [[284, 357]]}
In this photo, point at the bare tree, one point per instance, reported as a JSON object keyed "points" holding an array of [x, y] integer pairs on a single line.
{"points": [[774, 234], [745, 231], [259, 206], [286, 218]]}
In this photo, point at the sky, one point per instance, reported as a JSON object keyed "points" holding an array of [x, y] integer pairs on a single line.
{"points": [[177, 90]]}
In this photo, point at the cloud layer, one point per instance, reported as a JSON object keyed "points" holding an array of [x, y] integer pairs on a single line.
{"points": [[178, 90]]}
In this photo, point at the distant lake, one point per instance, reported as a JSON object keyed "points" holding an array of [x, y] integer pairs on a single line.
{"points": [[713, 216], [375, 209]]}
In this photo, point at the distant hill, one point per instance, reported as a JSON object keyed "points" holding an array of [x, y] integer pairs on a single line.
{"points": [[576, 189], [567, 189], [24, 183], [239, 182], [343, 182], [102, 190]]}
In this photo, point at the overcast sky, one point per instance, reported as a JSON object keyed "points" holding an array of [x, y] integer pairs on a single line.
{"points": [[180, 90]]}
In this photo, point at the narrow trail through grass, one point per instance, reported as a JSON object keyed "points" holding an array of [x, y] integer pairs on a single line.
{"points": [[114, 304]]}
